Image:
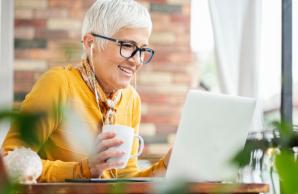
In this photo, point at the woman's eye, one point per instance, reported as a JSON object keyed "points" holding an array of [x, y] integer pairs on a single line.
{"points": [[128, 45]]}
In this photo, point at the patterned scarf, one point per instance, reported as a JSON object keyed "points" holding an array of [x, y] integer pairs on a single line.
{"points": [[105, 103]]}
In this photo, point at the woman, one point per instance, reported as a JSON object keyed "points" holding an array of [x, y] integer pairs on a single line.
{"points": [[115, 37]]}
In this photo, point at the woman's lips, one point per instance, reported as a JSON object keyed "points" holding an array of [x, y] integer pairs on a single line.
{"points": [[127, 70]]}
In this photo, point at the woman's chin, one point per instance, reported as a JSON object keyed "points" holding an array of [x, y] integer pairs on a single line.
{"points": [[122, 85]]}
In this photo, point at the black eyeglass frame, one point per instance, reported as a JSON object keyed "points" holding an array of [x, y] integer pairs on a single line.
{"points": [[121, 42]]}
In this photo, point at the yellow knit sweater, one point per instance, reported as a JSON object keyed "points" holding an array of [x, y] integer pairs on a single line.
{"points": [[64, 85]]}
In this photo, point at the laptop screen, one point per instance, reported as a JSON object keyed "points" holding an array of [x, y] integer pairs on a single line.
{"points": [[212, 129]]}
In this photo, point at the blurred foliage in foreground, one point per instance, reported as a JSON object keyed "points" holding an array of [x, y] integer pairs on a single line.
{"points": [[285, 162], [25, 122]]}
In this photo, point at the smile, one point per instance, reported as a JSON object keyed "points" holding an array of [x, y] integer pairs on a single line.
{"points": [[126, 70]]}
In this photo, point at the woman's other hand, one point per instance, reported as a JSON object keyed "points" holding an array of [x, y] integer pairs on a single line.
{"points": [[98, 161]]}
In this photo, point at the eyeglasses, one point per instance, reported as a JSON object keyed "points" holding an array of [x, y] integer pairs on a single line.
{"points": [[129, 49]]}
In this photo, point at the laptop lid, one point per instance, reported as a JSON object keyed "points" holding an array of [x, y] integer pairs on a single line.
{"points": [[213, 127]]}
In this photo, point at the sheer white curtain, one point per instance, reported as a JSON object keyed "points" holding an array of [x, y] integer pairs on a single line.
{"points": [[6, 60], [237, 33]]}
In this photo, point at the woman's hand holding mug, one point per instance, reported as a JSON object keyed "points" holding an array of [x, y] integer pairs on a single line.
{"points": [[113, 149], [98, 161]]}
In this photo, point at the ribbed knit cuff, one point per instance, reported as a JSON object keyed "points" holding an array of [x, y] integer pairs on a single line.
{"points": [[85, 168]]}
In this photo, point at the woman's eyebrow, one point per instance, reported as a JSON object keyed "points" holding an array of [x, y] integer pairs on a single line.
{"points": [[133, 42], [129, 41]]}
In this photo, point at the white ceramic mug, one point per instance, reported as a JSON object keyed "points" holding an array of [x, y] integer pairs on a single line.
{"points": [[126, 134]]}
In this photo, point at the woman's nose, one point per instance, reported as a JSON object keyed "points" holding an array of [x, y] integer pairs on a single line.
{"points": [[136, 59]]}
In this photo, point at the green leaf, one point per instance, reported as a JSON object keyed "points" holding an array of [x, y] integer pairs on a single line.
{"points": [[285, 132], [25, 122], [10, 188], [287, 169], [242, 158], [117, 188]]}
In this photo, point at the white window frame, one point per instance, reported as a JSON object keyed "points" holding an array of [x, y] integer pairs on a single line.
{"points": [[6, 59]]}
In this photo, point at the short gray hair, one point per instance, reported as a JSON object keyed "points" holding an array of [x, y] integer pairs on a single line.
{"points": [[107, 17]]}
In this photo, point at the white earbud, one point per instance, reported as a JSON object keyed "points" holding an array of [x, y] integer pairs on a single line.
{"points": [[91, 56], [91, 50], [91, 47]]}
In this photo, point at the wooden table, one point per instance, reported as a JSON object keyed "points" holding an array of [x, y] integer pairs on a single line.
{"points": [[136, 188]]}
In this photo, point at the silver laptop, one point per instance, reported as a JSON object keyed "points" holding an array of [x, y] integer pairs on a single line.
{"points": [[213, 127]]}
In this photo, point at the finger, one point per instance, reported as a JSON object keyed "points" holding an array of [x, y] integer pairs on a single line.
{"points": [[105, 135], [105, 155], [109, 165], [108, 143]]}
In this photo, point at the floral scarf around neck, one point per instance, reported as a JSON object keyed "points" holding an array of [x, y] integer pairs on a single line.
{"points": [[105, 103]]}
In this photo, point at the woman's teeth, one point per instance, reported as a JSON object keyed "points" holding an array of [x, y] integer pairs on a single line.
{"points": [[126, 70]]}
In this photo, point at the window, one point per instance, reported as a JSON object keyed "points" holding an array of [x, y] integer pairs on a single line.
{"points": [[202, 43], [269, 85]]}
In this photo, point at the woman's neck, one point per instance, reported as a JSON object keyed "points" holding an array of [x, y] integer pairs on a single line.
{"points": [[108, 91]]}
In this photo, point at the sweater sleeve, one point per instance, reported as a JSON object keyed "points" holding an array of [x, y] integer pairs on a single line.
{"points": [[50, 92], [58, 171], [131, 170]]}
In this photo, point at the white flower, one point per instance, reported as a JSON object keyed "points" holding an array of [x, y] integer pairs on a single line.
{"points": [[23, 165]]}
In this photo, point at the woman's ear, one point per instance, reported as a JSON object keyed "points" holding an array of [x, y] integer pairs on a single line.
{"points": [[88, 40]]}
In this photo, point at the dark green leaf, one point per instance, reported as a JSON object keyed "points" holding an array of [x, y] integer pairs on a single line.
{"points": [[287, 169], [25, 122], [242, 158], [117, 188]]}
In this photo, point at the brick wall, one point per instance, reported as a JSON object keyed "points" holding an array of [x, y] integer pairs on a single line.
{"points": [[47, 33]]}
